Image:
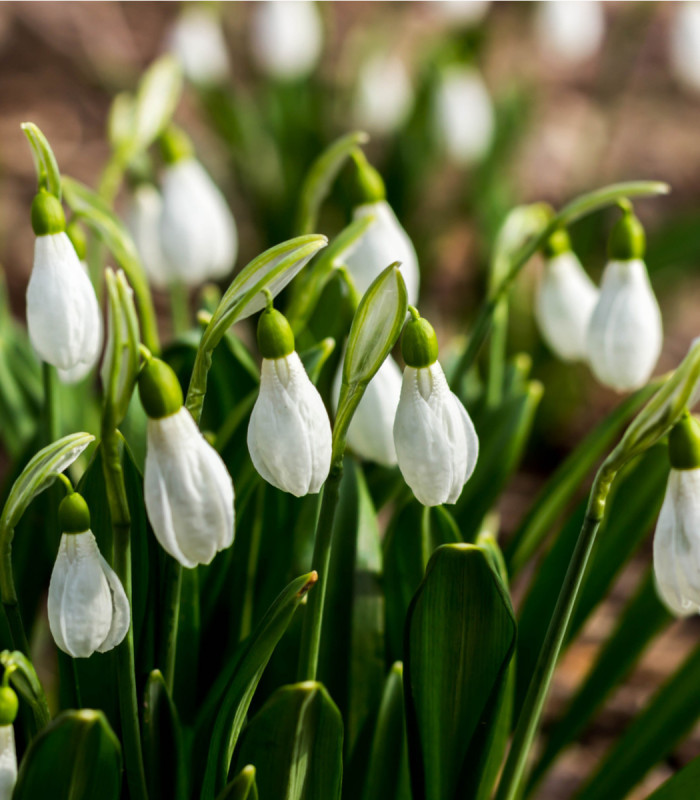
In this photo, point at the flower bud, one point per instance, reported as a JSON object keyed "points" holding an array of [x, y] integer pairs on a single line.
{"points": [[287, 38], [159, 389]]}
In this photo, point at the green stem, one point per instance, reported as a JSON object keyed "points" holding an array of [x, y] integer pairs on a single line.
{"points": [[580, 207], [126, 671], [497, 354], [514, 769], [180, 308], [173, 591]]}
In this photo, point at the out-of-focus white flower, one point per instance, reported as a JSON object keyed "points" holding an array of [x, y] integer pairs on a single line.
{"points": [[287, 38], [197, 42], [62, 312], [685, 43], [463, 117], [88, 608], [384, 95], [143, 220], [188, 491], [566, 298], [572, 31], [463, 12], [384, 242], [8, 762]]}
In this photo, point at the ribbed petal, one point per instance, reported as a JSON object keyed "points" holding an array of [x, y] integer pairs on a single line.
{"points": [[8, 762], [677, 544], [384, 242], [62, 312], [565, 302], [289, 435], [188, 491], [624, 334], [286, 38], [143, 220], [121, 617]]}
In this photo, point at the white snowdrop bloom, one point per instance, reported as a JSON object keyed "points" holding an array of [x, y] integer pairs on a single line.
{"points": [[143, 220], [289, 434], [384, 95], [188, 491], [624, 334], [63, 317], [566, 297], [463, 116], [572, 31], [685, 43], [436, 443], [198, 43], [286, 38], [8, 762], [88, 608], [464, 12], [384, 242]]}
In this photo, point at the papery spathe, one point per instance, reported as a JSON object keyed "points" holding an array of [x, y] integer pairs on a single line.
{"points": [[287, 38], [289, 435], [88, 608], [187, 489], [436, 444]]}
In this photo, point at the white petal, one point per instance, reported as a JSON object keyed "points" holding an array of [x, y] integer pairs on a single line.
{"points": [[571, 31], [677, 544], [685, 43], [188, 491], [8, 762], [143, 220], [384, 242], [121, 618], [286, 38], [384, 94], [624, 335], [198, 43], [289, 435], [62, 312], [460, 11], [565, 301], [198, 233]]}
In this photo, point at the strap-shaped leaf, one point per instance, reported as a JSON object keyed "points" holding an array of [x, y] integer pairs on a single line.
{"points": [[48, 176], [681, 786], [242, 787], [162, 745]]}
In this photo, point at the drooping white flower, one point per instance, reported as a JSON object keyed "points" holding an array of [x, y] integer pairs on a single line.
{"points": [[384, 95], [566, 297], [63, 317], [685, 43], [384, 242], [287, 38], [463, 12], [197, 42], [188, 491], [463, 116], [143, 220], [8, 762], [571, 31]]}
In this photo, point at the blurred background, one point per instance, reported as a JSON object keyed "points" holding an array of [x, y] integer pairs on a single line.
{"points": [[472, 108]]}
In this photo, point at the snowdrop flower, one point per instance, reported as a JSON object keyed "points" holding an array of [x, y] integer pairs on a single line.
{"points": [[566, 298], [198, 234], [436, 444], [385, 241], [143, 220], [9, 705], [384, 94], [624, 334], [88, 608], [571, 31], [197, 42], [289, 434], [685, 43], [677, 537], [287, 38], [463, 12], [62, 312], [187, 489], [463, 117]]}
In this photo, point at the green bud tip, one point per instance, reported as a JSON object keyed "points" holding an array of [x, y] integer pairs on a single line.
{"points": [[47, 214], [175, 145], [558, 243], [684, 443], [74, 514], [275, 337], [78, 239], [9, 705], [370, 184], [159, 389], [419, 345], [627, 239]]}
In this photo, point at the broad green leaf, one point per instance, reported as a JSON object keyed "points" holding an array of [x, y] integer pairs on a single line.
{"points": [[315, 358], [48, 176], [162, 743], [76, 755], [233, 704], [681, 786], [24, 679], [156, 99], [295, 742], [651, 736], [460, 637], [242, 787], [387, 773], [321, 175]]}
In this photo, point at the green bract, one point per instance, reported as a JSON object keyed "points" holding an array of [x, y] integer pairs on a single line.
{"points": [[159, 389], [74, 514]]}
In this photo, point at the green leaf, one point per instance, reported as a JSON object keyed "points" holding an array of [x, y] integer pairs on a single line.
{"points": [[296, 744], [156, 100], [48, 176], [321, 175], [241, 685], [460, 637], [315, 358], [76, 755], [24, 679], [162, 743], [681, 786], [242, 787]]}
